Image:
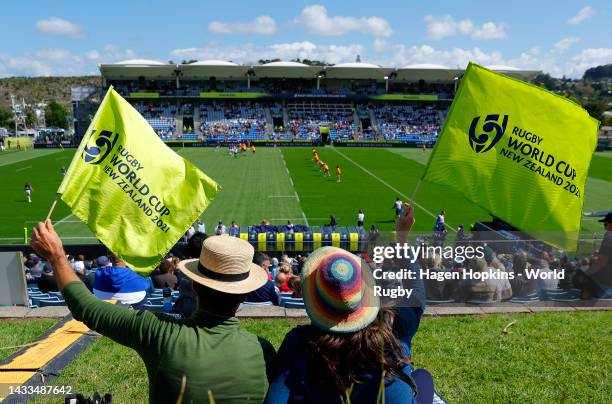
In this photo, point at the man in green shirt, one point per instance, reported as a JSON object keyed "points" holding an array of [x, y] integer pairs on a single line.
{"points": [[215, 355]]}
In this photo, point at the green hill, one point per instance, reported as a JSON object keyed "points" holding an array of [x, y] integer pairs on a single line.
{"points": [[43, 89]]}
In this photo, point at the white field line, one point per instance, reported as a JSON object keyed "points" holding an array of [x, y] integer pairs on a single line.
{"points": [[305, 219], [297, 197], [281, 196], [65, 220], [389, 186], [23, 168]]}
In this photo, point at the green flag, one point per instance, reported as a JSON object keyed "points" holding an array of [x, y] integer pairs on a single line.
{"points": [[135, 194], [519, 151]]}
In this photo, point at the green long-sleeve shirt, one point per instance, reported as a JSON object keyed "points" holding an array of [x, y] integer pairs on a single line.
{"points": [[214, 353]]}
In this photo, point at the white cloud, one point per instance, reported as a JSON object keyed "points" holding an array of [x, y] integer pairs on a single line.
{"points": [[446, 26], [400, 55], [588, 58], [250, 53], [318, 22], [109, 54], [59, 26], [262, 25], [61, 62], [565, 44], [489, 30], [584, 14], [44, 62]]}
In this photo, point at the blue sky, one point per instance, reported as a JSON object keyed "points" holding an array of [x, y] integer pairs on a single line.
{"points": [[68, 38]]}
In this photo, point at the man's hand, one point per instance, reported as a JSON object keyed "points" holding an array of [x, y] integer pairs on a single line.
{"points": [[406, 220], [46, 242]]}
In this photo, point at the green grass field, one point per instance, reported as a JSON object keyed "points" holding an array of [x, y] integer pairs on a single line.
{"points": [[278, 184], [546, 358]]}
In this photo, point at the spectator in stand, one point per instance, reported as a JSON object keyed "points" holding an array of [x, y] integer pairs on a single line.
{"points": [[280, 282], [47, 281], [36, 266], [295, 284], [179, 354], [115, 281], [265, 293], [338, 356], [521, 284], [596, 280], [273, 267], [372, 237], [163, 276], [78, 266]]}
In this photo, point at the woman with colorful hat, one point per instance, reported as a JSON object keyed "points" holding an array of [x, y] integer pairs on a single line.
{"points": [[354, 345]]}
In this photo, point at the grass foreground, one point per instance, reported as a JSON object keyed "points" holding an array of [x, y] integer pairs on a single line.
{"points": [[545, 357]]}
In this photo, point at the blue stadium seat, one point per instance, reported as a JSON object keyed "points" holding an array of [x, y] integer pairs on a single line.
{"points": [[294, 305], [154, 307], [49, 302]]}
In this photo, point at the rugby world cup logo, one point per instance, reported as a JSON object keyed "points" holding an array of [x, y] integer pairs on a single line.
{"points": [[493, 132], [99, 145]]}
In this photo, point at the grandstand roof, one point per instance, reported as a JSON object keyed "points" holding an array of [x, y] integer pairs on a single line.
{"points": [[213, 62], [289, 70], [134, 68], [139, 62], [357, 65], [425, 66], [204, 70]]}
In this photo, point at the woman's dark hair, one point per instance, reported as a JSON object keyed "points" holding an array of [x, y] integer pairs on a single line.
{"points": [[218, 302], [337, 361], [194, 245]]}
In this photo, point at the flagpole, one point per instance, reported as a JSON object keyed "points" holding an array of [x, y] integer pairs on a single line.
{"points": [[416, 190], [53, 206]]}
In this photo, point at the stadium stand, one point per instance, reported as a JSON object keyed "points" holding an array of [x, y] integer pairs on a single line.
{"points": [[307, 119], [161, 117], [408, 122], [232, 121]]}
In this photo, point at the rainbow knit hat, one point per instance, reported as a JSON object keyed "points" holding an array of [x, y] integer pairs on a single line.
{"points": [[338, 291]]}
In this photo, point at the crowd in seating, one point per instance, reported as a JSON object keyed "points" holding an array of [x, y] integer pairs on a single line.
{"points": [[307, 119], [242, 121], [406, 122], [284, 275], [161, 117], [233, 121]]}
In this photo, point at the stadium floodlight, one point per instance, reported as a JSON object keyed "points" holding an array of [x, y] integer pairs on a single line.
{"points": [[386, 83], [319, 77]]}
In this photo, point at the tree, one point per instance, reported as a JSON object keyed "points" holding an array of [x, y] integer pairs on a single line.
{"points": [[598, 72], [595, 109], [6, 118], [55, 115], [30, 117]]}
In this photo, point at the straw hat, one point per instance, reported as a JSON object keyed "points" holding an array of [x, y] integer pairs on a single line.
{"points": [[338, 291], [225, 264]]}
